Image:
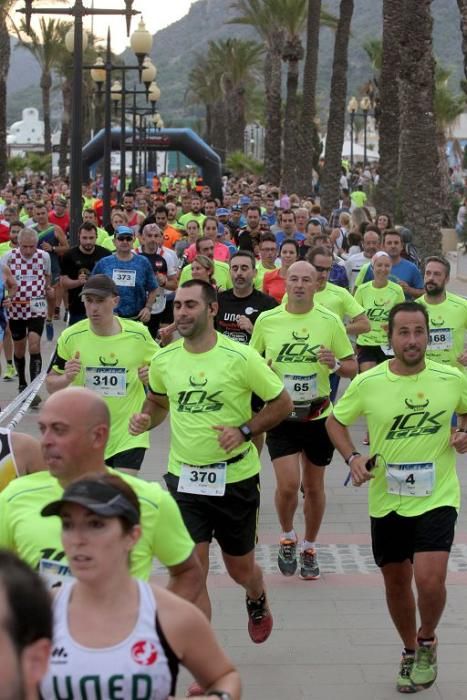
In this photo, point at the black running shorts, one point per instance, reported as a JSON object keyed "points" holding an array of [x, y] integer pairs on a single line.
{"points": [[231, 519], [396, 538], [292, 437]]}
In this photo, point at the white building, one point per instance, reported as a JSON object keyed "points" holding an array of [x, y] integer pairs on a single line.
{"points": [[28, 133]]}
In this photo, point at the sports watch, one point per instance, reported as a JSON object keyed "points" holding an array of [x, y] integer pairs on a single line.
{"points": [[245, 431]]}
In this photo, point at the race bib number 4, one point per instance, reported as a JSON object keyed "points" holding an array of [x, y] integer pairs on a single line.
{"points": [[440, 339], [106, 381], [205, 481], [302, 390], [124, 278], [38, 306], [411, 479]]}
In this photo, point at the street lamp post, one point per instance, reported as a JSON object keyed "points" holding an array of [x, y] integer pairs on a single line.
{"points": [[352, 108], [78, 11], [365, 105]]}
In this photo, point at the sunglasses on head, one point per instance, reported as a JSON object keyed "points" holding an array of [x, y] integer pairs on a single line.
{"points": [[125, 237]]}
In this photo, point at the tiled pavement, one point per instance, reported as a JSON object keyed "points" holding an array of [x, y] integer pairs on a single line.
{"points": [[332, 638]]}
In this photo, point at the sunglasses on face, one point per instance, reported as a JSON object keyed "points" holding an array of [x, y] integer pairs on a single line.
{"points": [[125, 238], [318, 268]]}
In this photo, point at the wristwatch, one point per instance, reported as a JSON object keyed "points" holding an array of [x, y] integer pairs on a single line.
{"points": [[351, 457], [222, 694], [246, 432]]}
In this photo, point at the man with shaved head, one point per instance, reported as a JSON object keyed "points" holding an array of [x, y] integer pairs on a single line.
{"points": [[74, 424], [304, 343]]}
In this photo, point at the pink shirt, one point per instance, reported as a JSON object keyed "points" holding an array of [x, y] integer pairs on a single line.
{"points": [[221, 252]]}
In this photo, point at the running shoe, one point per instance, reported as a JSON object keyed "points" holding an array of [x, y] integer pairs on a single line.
{"points": [[287, 557], [259, 619], [425, 668], [309, 569], [194, 690], [36, 401], [10, 373], [49, 330], [404, 684]]}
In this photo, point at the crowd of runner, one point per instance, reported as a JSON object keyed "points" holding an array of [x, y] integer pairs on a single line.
{"points": [[237, 318]]}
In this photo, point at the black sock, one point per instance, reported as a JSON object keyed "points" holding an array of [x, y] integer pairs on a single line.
{"points": [[421, 640], [408, 652], [20, 364], [35, 365], [9, 362]]}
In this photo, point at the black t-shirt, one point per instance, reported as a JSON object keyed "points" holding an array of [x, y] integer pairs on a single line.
{"points": [[158, 263], [247, 240], [231, 307], [73, 263]]}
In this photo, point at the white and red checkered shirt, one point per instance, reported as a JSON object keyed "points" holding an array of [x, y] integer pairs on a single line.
{"points": [[30, 275]]}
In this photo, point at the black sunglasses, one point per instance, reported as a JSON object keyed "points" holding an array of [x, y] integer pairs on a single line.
{"points": [[124, 238], [318, 268]]}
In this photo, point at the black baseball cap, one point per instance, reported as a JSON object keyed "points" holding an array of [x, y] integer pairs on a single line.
{"points": [[102, 499], [100, 286]]}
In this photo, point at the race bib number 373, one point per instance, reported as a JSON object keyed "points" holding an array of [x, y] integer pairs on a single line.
{"points": [[124, 278]]}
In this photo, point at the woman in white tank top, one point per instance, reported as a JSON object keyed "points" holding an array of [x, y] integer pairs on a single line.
{"points": [[116, 637]]}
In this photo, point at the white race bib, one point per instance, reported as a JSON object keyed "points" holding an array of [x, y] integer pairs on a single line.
{"points": [[205, 481], [54, 573], [38, 306], [124, 278], [106, 381], [411, 479], [387, 349], [302, 390], [440, 339]]}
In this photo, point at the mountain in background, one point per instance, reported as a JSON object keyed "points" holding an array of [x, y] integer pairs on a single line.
{"points": [[176, 46]]}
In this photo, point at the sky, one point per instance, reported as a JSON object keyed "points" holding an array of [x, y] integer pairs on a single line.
{"points": [[157, 14]]}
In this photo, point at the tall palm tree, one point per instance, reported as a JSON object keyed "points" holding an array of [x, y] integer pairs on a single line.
{"points": [[462, 4], [265, 17], [5, 8], [389, 119], [294, 16], [204, 89], [240, 62], [419, 159], [336, 120], [47, 49]]}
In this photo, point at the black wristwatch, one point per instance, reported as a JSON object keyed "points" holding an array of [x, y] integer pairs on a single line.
{"points": [[246, 432], [222, 694]]}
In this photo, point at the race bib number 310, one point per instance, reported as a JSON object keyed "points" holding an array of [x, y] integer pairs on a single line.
{"points": [[106, 381], [205, 481]]}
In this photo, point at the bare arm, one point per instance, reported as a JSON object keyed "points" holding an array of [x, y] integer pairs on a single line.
{"points": [[27, 454], [10, 282], [184, 626], [340, 437], [63, 245], [155, 409], [186, 579], [68, 283], [359, 324]]}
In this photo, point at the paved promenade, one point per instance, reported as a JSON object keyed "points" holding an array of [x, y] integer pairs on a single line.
{"points": [[332, 638]]}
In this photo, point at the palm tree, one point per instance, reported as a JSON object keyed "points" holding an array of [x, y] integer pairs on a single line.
{"points": [[294, 15], [389, 120], [421, 196], [239, 62], [448, 107], [462, 4], [204, 89], [5, 8], [336, 120], [47, 49], [264, 16]]}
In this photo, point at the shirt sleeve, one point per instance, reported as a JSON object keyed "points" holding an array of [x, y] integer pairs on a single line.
{"points": [[261, 378], [60, 357], [349, 407], [156, 384], [172, 543], [257, 338], [352, 307], [6, 534], [47, 263], [461, 407], [341, 344], [98, 268], [417, 280]]}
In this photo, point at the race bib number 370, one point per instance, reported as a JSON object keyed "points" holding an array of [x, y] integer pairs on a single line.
{"points": [[205, 481]]}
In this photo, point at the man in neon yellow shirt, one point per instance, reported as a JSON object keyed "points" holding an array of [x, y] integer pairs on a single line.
{"points": [[75, 426], [195, 214], [109, 355], [447, 313], [304, 342], [414, 492], [207, 382], [204, 246]]}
